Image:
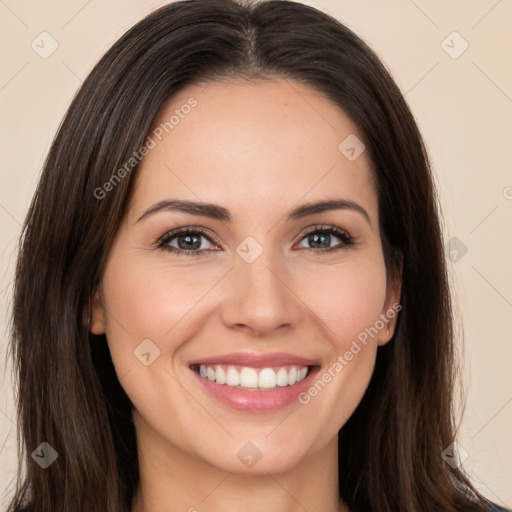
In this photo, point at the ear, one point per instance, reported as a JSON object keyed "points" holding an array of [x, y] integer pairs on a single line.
{"points": [[392, 306], [97, 325]]}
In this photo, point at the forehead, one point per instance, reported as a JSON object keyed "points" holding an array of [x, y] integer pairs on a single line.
{"points": [[258, 143]]}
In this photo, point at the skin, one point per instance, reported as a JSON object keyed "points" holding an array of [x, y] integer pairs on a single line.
{"points": [[259, 149]]}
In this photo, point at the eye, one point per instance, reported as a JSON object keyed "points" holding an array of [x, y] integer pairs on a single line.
{"points": [[186, 241], [320, 238], [189, 240]]}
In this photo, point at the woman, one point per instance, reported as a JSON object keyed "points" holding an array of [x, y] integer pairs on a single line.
{"points": [[236, 270]]}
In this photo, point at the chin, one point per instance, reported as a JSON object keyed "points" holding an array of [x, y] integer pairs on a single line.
{"points": [[258, 457]]}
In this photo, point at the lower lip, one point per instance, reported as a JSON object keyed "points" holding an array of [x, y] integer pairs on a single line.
{"points": [[257, 401]]}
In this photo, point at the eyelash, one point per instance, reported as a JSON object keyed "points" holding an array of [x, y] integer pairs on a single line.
{"points": [[346, 240]]}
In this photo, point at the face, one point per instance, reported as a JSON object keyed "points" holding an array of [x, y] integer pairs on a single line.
{"points": [[251, 317]]}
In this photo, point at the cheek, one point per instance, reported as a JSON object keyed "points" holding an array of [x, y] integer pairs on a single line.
{"points": [[350, 306], [156, 303], [147, 301], [348, 299]]}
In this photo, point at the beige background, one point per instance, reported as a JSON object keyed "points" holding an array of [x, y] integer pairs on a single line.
{"points": [[463, 106]]}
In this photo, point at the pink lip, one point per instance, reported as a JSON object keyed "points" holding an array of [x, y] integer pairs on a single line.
{"points": [[256, 360], [256, 401]]}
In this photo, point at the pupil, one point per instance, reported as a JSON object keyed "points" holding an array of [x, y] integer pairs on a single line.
{"points": [[314, 239], [187, 239]]}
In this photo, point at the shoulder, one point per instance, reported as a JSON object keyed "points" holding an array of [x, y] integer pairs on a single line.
{"points": [[496, 508]]}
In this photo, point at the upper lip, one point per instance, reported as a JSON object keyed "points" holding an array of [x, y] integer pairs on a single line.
{"points": [[256, 360]]}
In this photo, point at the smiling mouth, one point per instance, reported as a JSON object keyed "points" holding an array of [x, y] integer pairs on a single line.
{"points": [[252, 379]]}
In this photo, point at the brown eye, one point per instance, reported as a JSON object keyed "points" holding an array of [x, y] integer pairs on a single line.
{"points": [[186, 240], [320, 239]]}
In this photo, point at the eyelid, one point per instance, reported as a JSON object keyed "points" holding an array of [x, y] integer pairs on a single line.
{"points": [[322, 227], [160, 241]]}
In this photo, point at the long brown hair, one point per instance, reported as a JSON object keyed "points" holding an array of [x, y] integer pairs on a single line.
{"points": [[68, 393]]}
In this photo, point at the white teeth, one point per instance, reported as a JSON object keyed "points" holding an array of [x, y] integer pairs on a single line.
{"points": [[220, 375], [282, 377], [267, 378], [232, 377], [249, 378], [292, 376]]}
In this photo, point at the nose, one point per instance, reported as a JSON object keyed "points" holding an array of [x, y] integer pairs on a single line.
{"points": [[259, 300]]}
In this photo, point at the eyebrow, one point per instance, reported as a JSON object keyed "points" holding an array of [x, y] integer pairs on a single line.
{"points": [[217, 212]]}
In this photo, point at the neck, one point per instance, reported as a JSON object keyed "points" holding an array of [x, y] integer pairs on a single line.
{"points": [[176, 481]]}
